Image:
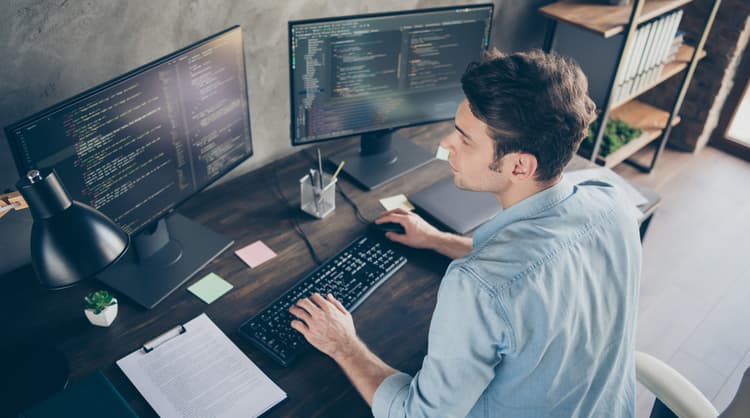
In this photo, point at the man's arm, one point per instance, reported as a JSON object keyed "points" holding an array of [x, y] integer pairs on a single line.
{"points": [[365, 370], [467, 334], [420, 234], [450, 245]]}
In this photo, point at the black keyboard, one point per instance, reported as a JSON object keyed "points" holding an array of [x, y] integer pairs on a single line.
{"points": [[350, 276]]}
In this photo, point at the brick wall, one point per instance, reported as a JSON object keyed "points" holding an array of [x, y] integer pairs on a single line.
{"points": [[703, 98]]}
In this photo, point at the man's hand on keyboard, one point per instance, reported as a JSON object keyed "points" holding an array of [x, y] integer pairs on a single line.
{"points": [[326, 325]]}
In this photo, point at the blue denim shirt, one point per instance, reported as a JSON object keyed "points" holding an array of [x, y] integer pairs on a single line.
{"points": [[538, 319]]}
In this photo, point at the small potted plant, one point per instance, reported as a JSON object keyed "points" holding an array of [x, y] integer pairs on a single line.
{"points": [[101, 308]]}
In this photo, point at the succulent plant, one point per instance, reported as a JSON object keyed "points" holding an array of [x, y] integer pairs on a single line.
{"points": [[98, 300]]}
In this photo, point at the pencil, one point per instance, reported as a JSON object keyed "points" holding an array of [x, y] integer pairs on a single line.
{"points": [[336, 173]]}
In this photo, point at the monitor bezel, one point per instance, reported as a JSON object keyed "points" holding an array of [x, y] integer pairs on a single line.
{"points": [[392, 127], [16, 150]]}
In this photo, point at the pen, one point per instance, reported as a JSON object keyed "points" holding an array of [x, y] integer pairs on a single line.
{"points": [[315, 193], [320, 170], [336, 173]]}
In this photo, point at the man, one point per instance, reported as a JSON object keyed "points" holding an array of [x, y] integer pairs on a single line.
{"points": [[535, 317]]}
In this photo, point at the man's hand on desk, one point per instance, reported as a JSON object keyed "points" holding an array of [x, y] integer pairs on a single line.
{"points": [[420, 234]]}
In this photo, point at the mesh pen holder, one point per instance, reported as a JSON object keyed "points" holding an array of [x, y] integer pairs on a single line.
{"points": [[314, 200]]}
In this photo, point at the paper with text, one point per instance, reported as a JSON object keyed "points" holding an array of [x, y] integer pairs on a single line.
{"points": [[201, 373]]}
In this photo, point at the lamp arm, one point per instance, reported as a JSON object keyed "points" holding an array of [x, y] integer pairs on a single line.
{"points": [[10, 201]]}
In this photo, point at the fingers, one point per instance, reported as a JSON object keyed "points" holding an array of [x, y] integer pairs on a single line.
{"points": [[337, 304], [303, 310], [300, 326], [300, 313], [320, 302], [308, 305], [396, 237], [306, 308], [402, 220]]}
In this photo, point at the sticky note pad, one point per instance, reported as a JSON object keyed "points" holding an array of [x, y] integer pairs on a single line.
{"points": [[442, 153], [210, 288], [398, 201], [255, 254]]}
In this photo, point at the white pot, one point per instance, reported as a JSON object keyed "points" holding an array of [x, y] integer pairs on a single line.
{"points": [[103, 318]]}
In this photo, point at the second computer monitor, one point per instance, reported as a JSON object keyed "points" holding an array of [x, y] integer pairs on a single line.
{"points": [[371, 74]]}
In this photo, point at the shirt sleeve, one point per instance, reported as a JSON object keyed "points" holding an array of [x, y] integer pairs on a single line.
{"points": [[467, 335]]}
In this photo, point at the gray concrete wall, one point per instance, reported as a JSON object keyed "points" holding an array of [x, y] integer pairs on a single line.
{"points": [[52, 50]]}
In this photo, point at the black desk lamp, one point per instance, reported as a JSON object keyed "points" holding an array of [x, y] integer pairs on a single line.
{"points": [[70, 242]]}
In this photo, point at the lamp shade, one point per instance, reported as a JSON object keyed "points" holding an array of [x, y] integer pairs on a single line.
{"points": [[70, 241]]}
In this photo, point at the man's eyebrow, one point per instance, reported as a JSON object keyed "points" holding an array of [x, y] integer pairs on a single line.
{"points": [[463, 133]]}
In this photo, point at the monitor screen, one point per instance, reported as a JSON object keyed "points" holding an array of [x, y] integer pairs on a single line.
{"points": [[358, 74], [137, 146]]}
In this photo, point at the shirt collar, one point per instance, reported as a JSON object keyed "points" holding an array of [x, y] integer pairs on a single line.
{"points": [[526, 208]]}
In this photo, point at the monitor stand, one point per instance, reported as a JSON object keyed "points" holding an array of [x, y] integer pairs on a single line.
{"points": [[161, 258], [379, 159]]}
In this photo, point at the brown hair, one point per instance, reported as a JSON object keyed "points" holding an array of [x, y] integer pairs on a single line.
{"points": [[532, 102]]}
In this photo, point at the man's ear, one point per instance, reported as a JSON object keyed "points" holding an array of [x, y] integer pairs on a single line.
{"points": [[524, 166]]}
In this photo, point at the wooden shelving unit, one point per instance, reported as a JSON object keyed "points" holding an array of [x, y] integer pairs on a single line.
{"points": [[607, 21], [603, 20], [640, 115]]}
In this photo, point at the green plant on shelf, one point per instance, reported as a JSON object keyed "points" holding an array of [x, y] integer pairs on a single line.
{"points": [[99, 300], [616, 134]]}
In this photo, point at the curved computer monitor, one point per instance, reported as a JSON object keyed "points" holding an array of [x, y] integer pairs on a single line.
{"points": [[137, 146], [369, 75]]}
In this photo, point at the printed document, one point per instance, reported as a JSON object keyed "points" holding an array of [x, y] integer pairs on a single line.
{"points": [[200, 373]]}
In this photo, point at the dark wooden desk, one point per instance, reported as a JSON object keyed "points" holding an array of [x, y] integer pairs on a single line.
{"points": [[393, 321]]}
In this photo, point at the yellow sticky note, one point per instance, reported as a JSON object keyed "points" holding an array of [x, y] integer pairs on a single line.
{"points": [[398, 201], [210, 288], [442, 153]]}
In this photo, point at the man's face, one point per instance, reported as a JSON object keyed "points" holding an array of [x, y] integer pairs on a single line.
{"points": [[472, 152]]}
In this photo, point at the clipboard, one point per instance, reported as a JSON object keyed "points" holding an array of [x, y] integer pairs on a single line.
{"points": [[194, 369], [172, 333]]}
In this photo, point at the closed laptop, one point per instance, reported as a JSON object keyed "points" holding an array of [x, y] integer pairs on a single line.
{"points": [[454, 209]]}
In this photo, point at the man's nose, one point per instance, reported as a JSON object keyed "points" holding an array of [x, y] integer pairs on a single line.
{"points": [[448, 141]]}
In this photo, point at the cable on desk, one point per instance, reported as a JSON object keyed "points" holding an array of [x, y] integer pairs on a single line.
{"points": [[357, 212], [292, 212]]}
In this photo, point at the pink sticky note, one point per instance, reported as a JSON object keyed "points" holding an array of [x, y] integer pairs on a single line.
{"points": [[255, 254]]}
